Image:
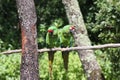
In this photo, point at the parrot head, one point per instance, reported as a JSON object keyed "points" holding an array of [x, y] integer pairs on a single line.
{"points": [[50, 31], [72, 29]]}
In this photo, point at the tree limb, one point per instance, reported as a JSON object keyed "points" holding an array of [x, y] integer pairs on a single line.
{"points": [[68, 49]]}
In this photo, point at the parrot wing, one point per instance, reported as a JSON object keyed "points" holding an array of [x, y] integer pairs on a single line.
{"points": [[66, 28], [51, 41], [66, 40]]}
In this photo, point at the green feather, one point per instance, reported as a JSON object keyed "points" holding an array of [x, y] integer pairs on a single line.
{"points": [[52, 40], [66, 38], [66, 29]]}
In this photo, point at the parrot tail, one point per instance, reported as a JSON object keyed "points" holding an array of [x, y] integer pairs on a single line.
{"points": [[51, 58], [65, 56]]}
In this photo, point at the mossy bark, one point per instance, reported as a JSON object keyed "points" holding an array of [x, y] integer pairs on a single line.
{"points": [[87, 57], [29, 60]]}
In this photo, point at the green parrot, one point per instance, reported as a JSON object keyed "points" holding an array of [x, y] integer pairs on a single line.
{"points": [[66, 40], [51, 41]]}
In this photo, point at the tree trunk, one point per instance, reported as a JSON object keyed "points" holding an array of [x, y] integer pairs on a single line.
{"points": [[27, 19], [87, 57]]}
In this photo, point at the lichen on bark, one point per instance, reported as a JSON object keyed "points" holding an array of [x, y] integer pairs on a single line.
{"points": [[87, 57]]}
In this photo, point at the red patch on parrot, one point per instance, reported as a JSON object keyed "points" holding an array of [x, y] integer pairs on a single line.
{"points": [[50, 31], [72, 27]]}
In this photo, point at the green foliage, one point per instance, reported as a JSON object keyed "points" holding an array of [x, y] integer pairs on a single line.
{"points": [[109, 61], [74, 71], [113, 56], [42, 30], [57, 22], [50, 11], [10, 67], [101, 17], [103, 24], [9, 31]]}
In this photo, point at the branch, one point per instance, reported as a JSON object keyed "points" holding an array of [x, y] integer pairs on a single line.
{"points": [[68, 49], [11, 51]]}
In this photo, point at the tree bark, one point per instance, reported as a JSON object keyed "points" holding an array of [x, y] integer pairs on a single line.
{"points": [[27, 19], [87, 57]]}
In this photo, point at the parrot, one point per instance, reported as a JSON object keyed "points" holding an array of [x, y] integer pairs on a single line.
{"points": [[66, 40], [51, 41]]}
